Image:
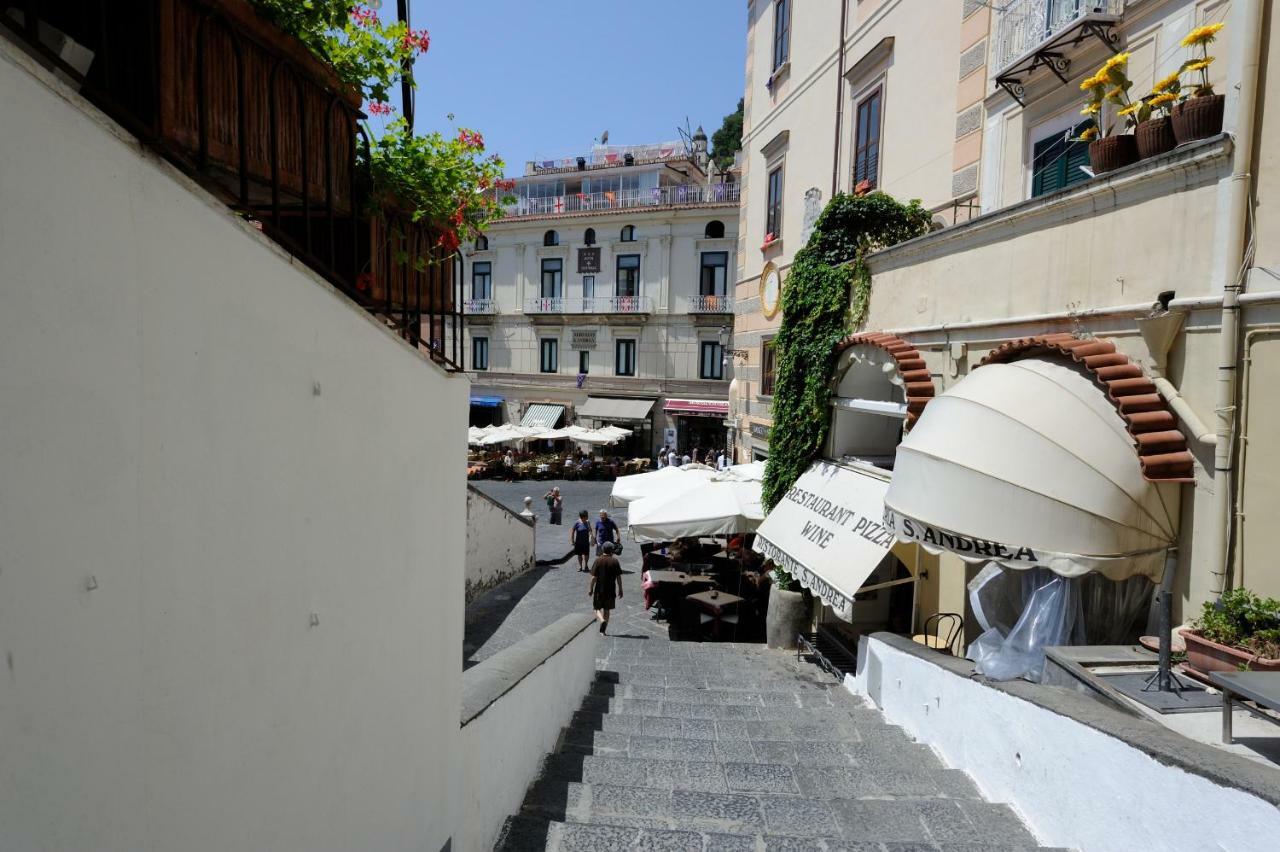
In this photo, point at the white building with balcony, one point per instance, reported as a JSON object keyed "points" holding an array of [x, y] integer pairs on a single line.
{"points": [[605, 296]]}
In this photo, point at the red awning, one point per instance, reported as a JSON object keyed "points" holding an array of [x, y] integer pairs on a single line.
{"points": [[701, 407]]}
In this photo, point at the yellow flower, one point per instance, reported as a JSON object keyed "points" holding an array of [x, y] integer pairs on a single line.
{"points": [[1088, 83], [1199, 65], [1131, 109], [1117, 61], [1091, 109], [1166, 83], [1088, 135], [1202, 35], [1163, 98], [1116, 96]]}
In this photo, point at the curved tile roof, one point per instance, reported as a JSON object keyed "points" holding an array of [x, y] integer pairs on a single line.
{"points": [[911, 368], [1161, 447]]}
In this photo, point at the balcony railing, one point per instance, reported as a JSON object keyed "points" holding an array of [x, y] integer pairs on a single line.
{"points": [[708, 305], [479, 306], [598, 305], [665, 196], [1024, 26]]}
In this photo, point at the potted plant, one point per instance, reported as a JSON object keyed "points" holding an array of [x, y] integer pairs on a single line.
{"points": [[1108, 150], [1154, 131], [1238, 632], [1199, 115]]}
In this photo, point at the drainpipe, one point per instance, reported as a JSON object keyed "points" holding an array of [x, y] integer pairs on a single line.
{"points": [[835, 156], [1247, 25]]}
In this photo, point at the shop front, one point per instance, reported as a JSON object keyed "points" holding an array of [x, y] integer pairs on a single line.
{"points": [[699, 423], [486, 411], [631, 413]]}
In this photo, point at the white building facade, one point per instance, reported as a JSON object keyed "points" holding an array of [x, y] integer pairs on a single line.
{"points": [[606, 296]]}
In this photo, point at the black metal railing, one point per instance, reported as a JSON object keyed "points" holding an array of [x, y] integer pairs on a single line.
{"points": [[250, 114]]}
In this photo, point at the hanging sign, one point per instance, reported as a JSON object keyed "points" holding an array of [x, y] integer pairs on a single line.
{"points": [[582, 338], [589, 259]]}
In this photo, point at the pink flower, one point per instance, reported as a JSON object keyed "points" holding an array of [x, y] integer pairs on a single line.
{"points": [[364, 17], [471, 139], [379, 108], [419, 40], [448, 241]]}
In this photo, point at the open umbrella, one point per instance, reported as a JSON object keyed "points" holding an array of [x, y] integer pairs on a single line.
{"points": [[716, 507], [669, 481]]}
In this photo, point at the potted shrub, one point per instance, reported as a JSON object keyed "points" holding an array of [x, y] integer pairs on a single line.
{"points": [[1108, 150], [1199, 116], [1154, 131], [1239, 632]]}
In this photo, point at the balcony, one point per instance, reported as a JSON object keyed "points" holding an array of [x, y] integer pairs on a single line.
{"points": [[708, 305], [1033, 34], [599, 305], [718, 194], [480, 307]]}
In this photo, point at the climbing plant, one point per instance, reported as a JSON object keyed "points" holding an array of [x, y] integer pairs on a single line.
{"points": [[825, 298]]}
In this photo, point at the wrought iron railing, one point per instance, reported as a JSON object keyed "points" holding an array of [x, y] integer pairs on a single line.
{"points": [[480, 306], [597, 305], [708, 304], [259, 121], [665, 196], [1024, 25]]}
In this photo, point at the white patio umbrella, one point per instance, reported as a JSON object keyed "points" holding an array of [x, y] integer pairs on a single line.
{"points": [[616, 432], [506, 433], [669, 481], [749, 472], [593, 437], [716, 507]]}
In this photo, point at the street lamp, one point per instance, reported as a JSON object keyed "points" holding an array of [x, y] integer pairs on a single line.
{"points": [[726, 337]]}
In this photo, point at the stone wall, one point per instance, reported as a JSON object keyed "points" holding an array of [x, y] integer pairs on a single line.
{"points": [[500, 543]]}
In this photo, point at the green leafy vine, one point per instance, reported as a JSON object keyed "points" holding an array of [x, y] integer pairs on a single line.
{"points": [[827, 292]]}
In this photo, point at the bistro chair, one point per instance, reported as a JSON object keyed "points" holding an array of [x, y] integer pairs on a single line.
{"points": [[941, 630]]}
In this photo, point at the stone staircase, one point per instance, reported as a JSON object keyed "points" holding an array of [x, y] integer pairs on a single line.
{"points": [[726, 747]]}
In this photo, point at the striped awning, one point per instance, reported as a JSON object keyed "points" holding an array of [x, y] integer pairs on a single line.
{"points": [[543, 415], [698, 407]]}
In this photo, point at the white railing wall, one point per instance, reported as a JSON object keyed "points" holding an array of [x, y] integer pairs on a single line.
{"points": [[665, 196], [597, 305]]}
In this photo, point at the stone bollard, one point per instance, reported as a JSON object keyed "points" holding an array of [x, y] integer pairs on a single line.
{"points": [[787, 616]]}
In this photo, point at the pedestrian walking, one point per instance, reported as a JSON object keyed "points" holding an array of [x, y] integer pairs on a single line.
{"points": [[673, 458], [606, 575], [580, 538], [662, 458], [685, 459], [606, 533], [555, 505]]}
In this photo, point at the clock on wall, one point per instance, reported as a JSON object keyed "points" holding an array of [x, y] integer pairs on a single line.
{"points": [[770, 290]]}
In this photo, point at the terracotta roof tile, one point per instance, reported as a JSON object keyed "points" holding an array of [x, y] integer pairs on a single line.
{"points": [[914, 373], [1162, 449]]}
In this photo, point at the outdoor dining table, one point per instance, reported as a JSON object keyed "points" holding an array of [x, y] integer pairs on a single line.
{"points": [[715, 604]]}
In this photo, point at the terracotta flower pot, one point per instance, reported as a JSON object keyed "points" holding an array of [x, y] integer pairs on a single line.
{"points": [[1204, 656], [1112, 152], [1154, 137], [1198, 118]]}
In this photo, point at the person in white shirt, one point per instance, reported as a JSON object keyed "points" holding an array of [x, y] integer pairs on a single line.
{"points": [[722, 462], [662, 458], [673, 459], [685, 459]]}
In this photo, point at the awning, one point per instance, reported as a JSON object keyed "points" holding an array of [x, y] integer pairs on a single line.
{"points": [[542, 415], [1029, 464], [702, 407], [486, 401], [720, 506], [669, 481], [827, 531], [615, 408]]}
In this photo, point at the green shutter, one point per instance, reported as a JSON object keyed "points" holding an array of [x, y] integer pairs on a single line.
{"points": [[1057, 162]]}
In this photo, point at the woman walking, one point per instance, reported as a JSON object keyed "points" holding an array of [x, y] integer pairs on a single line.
{"points": [[606, 573], [580, 538]]}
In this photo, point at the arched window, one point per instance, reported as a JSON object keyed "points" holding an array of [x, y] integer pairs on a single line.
{"points": [[551, 238], [589, 237], [715, 230], [482, 243], [628, 233]]}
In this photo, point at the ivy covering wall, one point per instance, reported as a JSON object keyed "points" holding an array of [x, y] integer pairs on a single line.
{"points": [[824, 300]]}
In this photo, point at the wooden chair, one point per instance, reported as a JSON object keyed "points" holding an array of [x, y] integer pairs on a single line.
{"points": [[941, 630]]}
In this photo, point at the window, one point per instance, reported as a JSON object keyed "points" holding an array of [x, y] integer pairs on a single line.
{"points": [[482, 243], [628, 285], [481, 280], [588, 286], [714, 230], [773, 212], [1056, 160], [589, 237], [866, 148], [628, 233], [624, 357], [551, 238], [584, 362], [552, 278], [768, 367], [711, 365], [715, 268], [480, 353], [550, 355], [781, 32]]}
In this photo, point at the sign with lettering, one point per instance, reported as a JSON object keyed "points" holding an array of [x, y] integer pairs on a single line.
{"points": [[589, 259], [582, 338], [760, 431], [828, 531], [966, 546]]}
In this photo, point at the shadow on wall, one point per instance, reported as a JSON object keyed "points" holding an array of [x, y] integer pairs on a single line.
{"points": [[500, 544]]}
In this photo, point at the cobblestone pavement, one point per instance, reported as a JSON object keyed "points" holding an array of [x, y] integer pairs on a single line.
{"points": [[718, 746]]}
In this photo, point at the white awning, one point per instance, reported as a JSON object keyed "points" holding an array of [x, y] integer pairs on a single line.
{"points": [[1028, 464], [827, 531], [542, 415], [615, 408], [720, 506], [667, 482]]}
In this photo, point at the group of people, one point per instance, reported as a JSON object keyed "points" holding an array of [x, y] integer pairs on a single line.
{"points": [[670, 457], [606, 571]]}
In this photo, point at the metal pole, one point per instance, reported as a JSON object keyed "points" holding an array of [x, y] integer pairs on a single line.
{"points": [[406, 73]]}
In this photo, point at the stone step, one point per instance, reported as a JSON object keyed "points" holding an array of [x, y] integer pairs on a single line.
{"points": [[796, 707], [845, 728], [767, 695]]}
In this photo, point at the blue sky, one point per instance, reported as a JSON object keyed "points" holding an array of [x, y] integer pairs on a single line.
{"points": [[543, 78]]}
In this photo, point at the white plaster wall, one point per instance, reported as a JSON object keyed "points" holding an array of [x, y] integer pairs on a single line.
{"points": [[220, 445], [500, 543], [1054, 769], [505, 744]]}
